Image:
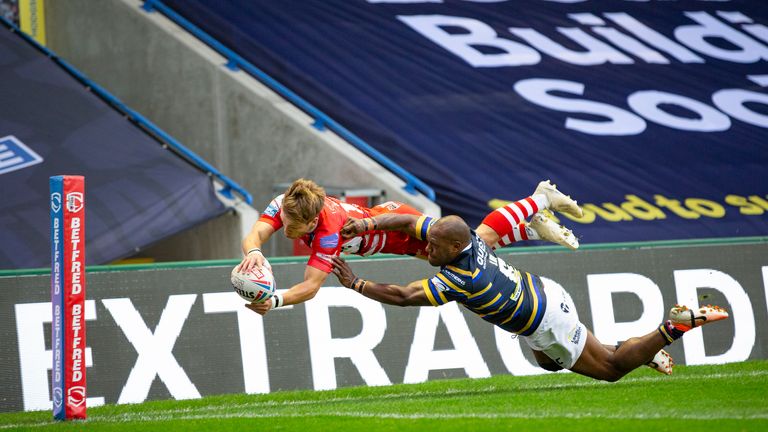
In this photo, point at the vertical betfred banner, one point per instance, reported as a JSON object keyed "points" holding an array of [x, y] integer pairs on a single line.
{"points": [[68, 296]]}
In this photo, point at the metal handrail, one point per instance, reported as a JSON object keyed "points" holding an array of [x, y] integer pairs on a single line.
{"points": [[302, 260], [321, 120], [229, 184]]}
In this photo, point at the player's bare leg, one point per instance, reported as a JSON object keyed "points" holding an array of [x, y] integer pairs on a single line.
{"points": [[597, 361], [662, 362]]}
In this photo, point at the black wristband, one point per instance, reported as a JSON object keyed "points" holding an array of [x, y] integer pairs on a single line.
{"points": [[370, 224], [358, 284]]}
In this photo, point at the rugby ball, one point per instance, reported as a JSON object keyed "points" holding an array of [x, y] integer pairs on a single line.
{"points": [[257, 285]]}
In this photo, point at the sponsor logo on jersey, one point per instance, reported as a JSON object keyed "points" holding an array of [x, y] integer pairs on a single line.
{"points": [[352, 245], [329, 241], [564, 307], [575, 335], [455, 278], [274, 206], [518, 291], [15, 155], [326, 257], [391, 205], [482, 253], [439, 284], [271, 209]]}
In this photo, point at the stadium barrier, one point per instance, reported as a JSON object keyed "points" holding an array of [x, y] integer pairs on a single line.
{"points": [[178, 331]]}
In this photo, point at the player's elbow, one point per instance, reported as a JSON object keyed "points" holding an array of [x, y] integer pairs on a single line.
{"points": [[397, 299], [409, 300], [400, 301]]}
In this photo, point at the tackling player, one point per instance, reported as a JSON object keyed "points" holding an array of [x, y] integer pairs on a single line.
{"points": [[518, 302]]}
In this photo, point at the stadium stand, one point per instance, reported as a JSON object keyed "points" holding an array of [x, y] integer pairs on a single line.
{"points": [[632, 109], [227, 117], [56, 121]]}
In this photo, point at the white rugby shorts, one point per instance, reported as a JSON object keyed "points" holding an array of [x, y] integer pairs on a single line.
{"points": [[561, 336]]}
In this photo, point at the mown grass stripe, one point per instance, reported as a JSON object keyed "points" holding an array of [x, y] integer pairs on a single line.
{"points": [[144, 418], [453, 392], [552, 401]]}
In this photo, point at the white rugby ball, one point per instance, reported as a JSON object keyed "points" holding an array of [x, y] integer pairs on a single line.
{"points": [[257, 285]]}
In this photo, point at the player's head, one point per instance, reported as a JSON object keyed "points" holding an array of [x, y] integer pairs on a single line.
{"points": [[302, 204], [446, 239]]}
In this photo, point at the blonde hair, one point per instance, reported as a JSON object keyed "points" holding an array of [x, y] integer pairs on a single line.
{"points": [[303, 201]]}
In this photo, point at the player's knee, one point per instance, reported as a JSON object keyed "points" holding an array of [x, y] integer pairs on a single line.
{"points": [[612, 373], [545, 362], [549, 365], [489, 236]]}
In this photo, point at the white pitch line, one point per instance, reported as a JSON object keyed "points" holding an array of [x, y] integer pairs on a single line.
{"points": [[144, 418], [398, 416], [219, 411], [405, 395]]}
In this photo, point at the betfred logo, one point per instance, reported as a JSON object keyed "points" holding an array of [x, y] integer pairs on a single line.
{"points": [[57, 397], [76, 396], [74, 201], [55, 202]]}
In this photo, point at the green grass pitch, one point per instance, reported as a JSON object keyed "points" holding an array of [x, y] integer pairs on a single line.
{"points": [[731, 397]]}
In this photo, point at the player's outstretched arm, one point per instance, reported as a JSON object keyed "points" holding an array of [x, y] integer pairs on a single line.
{"points": [[385, 222], [299, 293], [411, 295], [252, 243]]}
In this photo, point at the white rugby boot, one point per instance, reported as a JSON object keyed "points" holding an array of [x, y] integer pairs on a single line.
{"points": [[549, 230], [662, 362], [558, 201], [685, 318]]}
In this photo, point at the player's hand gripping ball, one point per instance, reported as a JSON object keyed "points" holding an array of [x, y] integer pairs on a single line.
{"points": [[255, 285]]}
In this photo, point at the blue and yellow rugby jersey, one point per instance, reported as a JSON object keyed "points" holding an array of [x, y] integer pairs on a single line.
{"points": [[502, 295]]}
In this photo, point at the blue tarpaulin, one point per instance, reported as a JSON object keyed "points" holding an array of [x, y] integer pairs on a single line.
{"points": [[654, 115], [136, 192]]}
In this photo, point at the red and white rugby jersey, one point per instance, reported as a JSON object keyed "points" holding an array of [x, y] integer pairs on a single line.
{"points": [[326, 241], [394, 242]]}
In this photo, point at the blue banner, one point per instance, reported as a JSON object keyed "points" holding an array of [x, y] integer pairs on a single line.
{"points": [[654, 114], [139, 192]]}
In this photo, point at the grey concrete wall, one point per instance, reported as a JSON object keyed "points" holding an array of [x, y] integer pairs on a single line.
{"points": [[237, 124]]}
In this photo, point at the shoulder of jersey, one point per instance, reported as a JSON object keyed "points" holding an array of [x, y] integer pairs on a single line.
{"points": [[274, 206]]}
